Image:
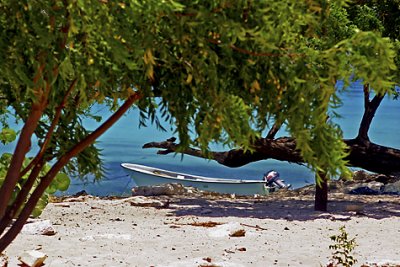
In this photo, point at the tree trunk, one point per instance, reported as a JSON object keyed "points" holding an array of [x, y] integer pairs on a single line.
{"points": [[45, 181], [321, 193], [370, 108]]}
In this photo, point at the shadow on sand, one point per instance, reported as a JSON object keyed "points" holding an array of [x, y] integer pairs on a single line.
{"points": [[301, 209]]}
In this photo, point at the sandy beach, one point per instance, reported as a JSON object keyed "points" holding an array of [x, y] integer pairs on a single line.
{"points": [[277, 230]]}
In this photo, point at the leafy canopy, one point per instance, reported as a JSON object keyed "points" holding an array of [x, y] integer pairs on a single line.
{"points": [[222, 69], [379, 16]]}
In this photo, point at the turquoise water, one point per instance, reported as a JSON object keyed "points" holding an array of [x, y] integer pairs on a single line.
{"points": [[123, 143]]}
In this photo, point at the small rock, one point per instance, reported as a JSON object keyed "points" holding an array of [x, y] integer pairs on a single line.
{"points": [[334, 217], [371, 188], [335, 185], [238, 233], [81, 198], [337, 217], [146, 202], [106, 236], [306, 190], [354, 207], [289, 217], [360, 176], [363, 190], [382, 178], [3, 260], [32, 258], [208, 259], [374, 185], [39, 228], [80, 193], [62, 204], [159, 190], [392, 188], [225, 230]]}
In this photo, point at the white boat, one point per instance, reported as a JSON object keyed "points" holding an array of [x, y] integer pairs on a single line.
{"points": [[147, 176]]}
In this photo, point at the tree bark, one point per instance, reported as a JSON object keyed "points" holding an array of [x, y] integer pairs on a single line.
{"points": [[365, 155], [12, 210], [321, 193], [45, 181], [274, 130], [370, 108], [21, 149]]}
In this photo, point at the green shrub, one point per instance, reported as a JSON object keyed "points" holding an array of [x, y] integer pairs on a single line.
{"points": [[342, 247]]}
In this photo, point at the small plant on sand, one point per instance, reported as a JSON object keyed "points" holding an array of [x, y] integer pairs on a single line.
{"points": [[342, 247]]}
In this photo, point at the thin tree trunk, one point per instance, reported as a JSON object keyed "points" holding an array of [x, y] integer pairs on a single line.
{"points": [[370, 108], [10, 235], [50, 132], [23, 146], [321, 193], [37, 164], [13, 209]]}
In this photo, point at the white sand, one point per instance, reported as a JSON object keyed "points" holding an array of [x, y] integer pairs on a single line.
{"points": [[279, 231]]}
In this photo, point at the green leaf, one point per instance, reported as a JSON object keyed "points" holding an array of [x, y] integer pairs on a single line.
{"points": [[42, 203], [7, 135], [51, 189], [66, 69], [61, 181]]}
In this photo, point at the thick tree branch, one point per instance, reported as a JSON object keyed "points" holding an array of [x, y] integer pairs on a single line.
{"points": [[283, 148], [373, 157], [370, 156]]}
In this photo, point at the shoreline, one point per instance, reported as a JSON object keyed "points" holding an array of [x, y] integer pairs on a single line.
{"points": [[281, 229]]}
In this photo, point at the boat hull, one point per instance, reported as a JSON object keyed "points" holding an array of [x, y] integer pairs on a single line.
{"points": [[148, 176]]}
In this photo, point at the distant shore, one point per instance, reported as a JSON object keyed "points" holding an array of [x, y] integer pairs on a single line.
{"points": [[277, 230]]}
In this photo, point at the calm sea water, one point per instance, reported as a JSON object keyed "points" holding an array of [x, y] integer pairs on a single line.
{"points": [[123, 143]]}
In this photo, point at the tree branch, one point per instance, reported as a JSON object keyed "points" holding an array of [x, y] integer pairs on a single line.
{"points": [[50, 132], [283, 148], [10, 235], [274, 130], [21, 197], [36, 164], [22, 147], [371, 157], [370, 108], [366, 95]]}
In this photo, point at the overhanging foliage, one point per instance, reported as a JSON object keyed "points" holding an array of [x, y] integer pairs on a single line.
{"points": [[218, 67]]}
